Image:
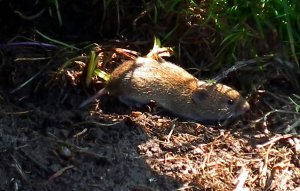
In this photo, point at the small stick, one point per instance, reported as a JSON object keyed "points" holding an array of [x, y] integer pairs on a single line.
{"points": [[171, 132], [60, 172], [275, 139], [241, 180]]}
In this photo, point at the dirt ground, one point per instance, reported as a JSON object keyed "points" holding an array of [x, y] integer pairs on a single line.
{"points": [[48, 143]]}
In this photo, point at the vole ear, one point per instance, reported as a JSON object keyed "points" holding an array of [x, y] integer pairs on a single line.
{"points": [[200, 95]]}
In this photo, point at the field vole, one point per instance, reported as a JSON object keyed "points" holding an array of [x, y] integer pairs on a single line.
{"points": [[174, 89]]}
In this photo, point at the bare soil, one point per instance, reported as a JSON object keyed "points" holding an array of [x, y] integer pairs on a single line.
{"points": [[48, 143]]}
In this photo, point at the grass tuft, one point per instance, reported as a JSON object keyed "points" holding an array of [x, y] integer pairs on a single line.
{"points": [[255, 28]]}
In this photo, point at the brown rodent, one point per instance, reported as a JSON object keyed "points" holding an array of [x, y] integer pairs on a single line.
{"points": [[174, 89]]}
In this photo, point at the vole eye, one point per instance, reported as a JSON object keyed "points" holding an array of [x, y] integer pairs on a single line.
{"points": [[230, 102]]}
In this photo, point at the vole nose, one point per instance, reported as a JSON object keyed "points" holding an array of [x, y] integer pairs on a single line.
{"points": [[242, 108], [246, 107]]}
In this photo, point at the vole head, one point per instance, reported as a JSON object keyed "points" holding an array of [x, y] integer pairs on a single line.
{"points": [[218, 101]]}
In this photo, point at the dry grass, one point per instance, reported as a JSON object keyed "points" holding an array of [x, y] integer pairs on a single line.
{"points": [[214, 158]]}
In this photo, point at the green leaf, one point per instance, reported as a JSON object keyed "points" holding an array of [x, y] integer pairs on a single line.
{"points": [[101, 74]]}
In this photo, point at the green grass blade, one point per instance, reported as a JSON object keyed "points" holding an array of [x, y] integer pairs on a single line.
{"points": [[91, 68]]}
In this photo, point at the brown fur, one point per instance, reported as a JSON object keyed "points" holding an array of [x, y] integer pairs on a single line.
{"points": [[174, 89]]}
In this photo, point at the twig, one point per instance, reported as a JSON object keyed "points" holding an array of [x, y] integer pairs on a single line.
{"points": [[295, 142], [235, 67], [292, 127], [80, 133], [275, 111], [77, 148], [31, 59], [275, 139], [60, 172], [171, 132], [274, 96], [96, 123], [241, 180], [19, 168], [264, 168]]}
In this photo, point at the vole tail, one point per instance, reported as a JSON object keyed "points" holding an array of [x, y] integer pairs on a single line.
{"points": [[97, 95]]}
